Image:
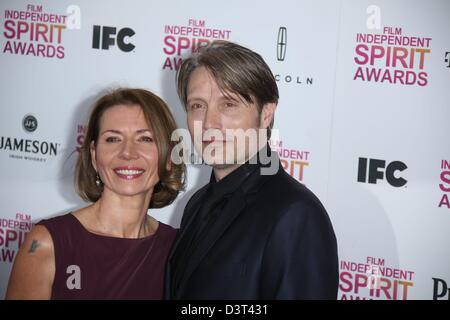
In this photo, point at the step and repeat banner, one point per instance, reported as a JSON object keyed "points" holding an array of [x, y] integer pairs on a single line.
{"points": [[363, 116]]}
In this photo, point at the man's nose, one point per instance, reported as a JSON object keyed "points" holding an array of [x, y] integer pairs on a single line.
{"points": [[211, 119]]}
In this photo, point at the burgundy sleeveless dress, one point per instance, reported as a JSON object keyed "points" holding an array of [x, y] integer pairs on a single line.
{"points": [[91, 266]]}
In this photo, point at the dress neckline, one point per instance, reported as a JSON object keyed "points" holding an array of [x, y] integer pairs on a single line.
{"points": [[78, 222]]}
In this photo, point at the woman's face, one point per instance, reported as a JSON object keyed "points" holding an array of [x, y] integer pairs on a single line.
{"points": [[125, 155]]}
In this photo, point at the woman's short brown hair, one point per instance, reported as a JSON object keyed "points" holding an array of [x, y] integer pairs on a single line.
{"points": [[163, 124], [236, 69]]}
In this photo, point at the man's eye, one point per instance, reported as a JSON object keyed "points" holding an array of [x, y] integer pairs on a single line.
{"points": [[112, 139], [196, 106], [146, 139], [230, 105]]}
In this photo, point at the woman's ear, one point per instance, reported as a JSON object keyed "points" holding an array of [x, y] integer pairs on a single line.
{"points": [[267, 114]]}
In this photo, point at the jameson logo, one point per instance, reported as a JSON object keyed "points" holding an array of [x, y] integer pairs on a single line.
{"points": [[29, 123], [29, 149], [29, 146]]}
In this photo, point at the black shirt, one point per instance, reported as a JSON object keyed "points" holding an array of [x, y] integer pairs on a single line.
{"points": [[214, 200], [217, 195]]}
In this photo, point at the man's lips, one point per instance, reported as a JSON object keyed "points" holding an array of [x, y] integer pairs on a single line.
{"points": [[128, 173], [212, 139]]}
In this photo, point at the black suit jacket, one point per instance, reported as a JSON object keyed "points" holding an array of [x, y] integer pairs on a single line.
{"points": [[273, 240]]}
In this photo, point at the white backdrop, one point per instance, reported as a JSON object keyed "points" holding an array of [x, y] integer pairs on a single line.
{"points": [[350, 94]]}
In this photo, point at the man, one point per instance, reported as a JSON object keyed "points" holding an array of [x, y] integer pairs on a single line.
{"points": [[247, 234]]}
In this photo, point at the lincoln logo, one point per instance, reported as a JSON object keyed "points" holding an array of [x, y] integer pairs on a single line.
{"points": [[281, 43]]}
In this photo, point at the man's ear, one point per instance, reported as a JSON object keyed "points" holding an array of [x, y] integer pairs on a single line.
{"points": [[93, 155], [267, 114]]}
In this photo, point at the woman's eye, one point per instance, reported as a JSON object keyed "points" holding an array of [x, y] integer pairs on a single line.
{"points": [[112, 139], [146, 139]]}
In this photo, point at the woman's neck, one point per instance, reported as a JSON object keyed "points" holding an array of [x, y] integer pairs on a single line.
{"points": [[124, 217]]}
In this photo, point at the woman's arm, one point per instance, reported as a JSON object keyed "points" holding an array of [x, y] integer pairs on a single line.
{"points": [[34, 267]]}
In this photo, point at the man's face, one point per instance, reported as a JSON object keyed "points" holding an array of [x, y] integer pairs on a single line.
{"points": [[211, 114]]}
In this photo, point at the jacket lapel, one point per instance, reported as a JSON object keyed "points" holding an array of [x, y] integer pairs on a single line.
{"points": [[172, 270], [233, 208]]}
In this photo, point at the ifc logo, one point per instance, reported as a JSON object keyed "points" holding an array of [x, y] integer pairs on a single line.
{"points": [[29, 123]]}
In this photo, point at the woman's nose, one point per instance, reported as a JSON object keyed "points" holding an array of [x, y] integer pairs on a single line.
{"points": [[129, 150]]}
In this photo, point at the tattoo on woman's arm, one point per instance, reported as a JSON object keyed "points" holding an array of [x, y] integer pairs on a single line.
{"points": [[34, 246]]}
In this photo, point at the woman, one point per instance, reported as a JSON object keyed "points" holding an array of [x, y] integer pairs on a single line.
{"points": [[111, 249]]}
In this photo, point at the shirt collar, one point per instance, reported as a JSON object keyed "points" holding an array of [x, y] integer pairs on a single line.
{"points": [[234, 180]]}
